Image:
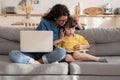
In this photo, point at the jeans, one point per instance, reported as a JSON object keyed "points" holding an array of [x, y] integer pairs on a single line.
{"points": [[56, 55]]}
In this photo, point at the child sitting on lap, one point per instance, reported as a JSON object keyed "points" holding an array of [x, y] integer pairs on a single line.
{"points": [[73, 43]]}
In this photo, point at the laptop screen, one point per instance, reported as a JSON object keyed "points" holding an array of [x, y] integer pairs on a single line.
{"points": [[36, 41]]}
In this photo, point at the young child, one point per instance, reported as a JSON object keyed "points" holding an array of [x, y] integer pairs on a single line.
{"points": [[75, 42]]}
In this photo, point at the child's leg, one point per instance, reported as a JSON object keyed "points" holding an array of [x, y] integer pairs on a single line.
{"points": [[69, 58], [83, 56]]}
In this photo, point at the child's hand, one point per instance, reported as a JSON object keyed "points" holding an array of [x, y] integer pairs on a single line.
{"points": [[76, 47]]}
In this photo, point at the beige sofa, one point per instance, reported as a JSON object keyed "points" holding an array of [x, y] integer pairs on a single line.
{"points": [[105, 42]]}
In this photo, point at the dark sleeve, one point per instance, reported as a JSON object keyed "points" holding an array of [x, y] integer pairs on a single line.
{"points": [[83, 28]]}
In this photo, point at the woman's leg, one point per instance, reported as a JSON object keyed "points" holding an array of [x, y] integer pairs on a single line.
{"points": [[17, 56], [56, 55]]}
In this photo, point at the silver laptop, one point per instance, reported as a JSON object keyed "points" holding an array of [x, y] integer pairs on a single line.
{"points": [[36, 41]]}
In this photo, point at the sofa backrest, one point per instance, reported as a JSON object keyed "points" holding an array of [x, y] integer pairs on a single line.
{"points": [[103, 41], [12, 33], [10, 38]]}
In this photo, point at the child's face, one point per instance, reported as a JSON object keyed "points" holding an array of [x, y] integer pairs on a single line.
{"points": [[69, 31]]}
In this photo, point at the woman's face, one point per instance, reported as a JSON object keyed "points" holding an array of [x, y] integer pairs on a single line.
{"points": [[61, 20]]}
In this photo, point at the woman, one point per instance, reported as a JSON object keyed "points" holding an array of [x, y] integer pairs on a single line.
{"points": [[52, 21]]}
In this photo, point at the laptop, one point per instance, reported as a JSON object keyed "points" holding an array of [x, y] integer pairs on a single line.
{"points": [[36, 41]]}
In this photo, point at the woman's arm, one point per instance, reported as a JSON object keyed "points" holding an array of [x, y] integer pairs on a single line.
{"points": [[42, 25], [61, 37]]}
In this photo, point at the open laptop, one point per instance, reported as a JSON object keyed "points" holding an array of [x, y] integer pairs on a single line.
{"points": [[36, 41]]}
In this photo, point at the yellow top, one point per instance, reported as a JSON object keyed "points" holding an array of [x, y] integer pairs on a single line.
{"points": [[69, 42]]}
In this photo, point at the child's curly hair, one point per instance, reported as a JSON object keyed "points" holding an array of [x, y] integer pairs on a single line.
{"points": [[70, 23]]}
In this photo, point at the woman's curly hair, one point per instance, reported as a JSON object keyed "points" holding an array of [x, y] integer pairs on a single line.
{"points": [[57, 11]]}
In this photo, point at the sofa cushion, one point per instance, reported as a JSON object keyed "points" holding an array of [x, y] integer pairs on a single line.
{"points": [[43, 77], [12, 33], [6, 46], [8, 68], [101, 35], [105, 49], [97, 68], [103, 41], [10, 38]]}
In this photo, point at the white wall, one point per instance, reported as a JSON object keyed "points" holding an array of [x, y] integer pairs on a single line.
{"points": [[92, 22], [45, 5], [0, 6]]}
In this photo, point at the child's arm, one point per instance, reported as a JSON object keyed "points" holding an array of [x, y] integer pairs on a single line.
{"points": [[80, 47], [83, 43], [86, 46]]}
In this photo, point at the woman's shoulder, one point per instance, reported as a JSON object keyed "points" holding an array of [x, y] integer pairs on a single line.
{"points": [[45, 21]]}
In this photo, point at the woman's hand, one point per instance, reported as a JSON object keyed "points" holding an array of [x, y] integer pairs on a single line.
{"points": [[61, 36], [62, 32]]}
